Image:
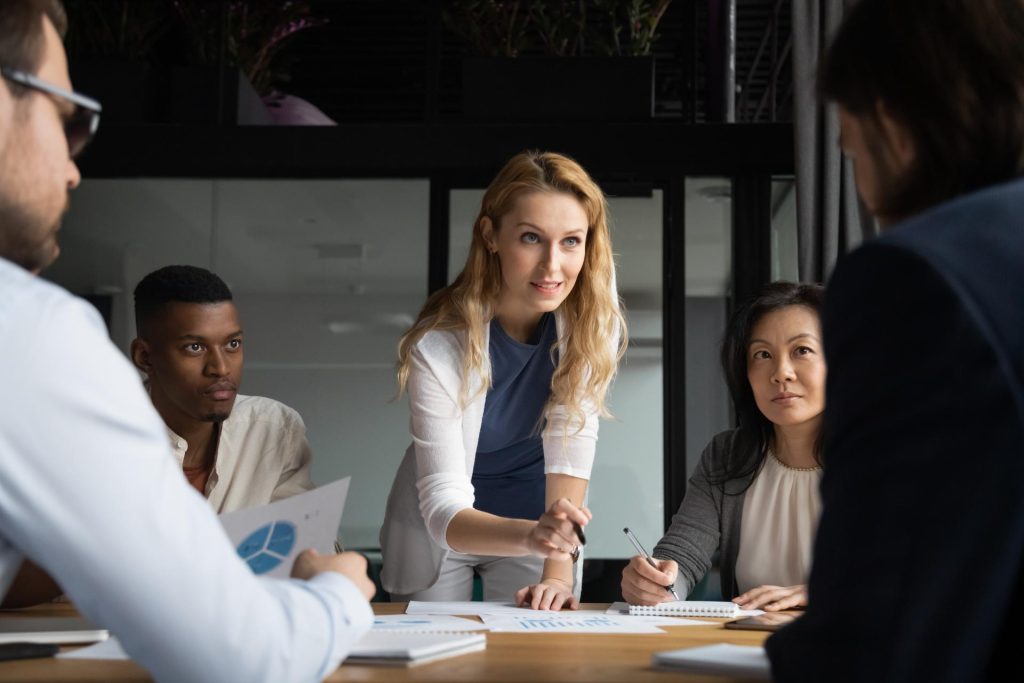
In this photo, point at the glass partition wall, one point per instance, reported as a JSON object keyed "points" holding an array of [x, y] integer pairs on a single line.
{"points": [[326, 275]]}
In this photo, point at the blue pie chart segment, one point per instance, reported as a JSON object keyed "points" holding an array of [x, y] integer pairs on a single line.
{"points": [[268, 546]]}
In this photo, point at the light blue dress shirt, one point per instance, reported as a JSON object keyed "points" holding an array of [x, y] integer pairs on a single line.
{"points": [[89, 490]]}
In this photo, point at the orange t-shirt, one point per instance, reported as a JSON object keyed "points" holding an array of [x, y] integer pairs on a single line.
{"points": [[197, 477]]}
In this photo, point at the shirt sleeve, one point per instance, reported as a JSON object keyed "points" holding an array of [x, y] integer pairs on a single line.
{"points": [[694, 535], [436, 421], [298, 459], [569, 447], [91, 493]]}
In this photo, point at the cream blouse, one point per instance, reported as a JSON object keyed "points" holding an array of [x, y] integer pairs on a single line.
{"points": [[780, 516]]}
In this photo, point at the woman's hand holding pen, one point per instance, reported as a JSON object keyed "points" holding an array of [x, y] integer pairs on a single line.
{"points": [[550, 594], [559, 531], [773, 598], [642, 584]]}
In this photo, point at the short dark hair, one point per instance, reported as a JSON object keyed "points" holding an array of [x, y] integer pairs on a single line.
{"points": [[754, 430], [176, 284], [952, 73], [21, 33]]}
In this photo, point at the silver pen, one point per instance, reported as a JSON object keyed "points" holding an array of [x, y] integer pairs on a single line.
{"points": [[650, 560]]}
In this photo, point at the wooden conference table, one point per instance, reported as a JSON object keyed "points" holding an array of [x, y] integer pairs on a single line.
{"points": [[534, 658]]}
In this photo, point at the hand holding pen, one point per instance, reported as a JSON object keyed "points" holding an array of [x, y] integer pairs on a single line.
{"points": [[558, 534], [645, 580]]}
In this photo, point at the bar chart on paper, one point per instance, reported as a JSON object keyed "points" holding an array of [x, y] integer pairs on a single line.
{"points": [[557, 622]]}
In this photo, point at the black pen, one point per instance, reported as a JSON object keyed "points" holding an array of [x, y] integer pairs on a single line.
{"points": [[650, 560], [575, 554]]}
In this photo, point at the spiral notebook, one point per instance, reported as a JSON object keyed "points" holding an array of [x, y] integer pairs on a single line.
{"points": [[693, 608]]}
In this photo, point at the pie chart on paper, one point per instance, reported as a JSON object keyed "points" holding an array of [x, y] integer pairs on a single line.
{"points": [[268, 546]]}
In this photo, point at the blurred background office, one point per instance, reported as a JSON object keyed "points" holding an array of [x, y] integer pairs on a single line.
{"points": [[327, 158]]}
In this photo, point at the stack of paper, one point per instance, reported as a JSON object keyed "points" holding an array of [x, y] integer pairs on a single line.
{"points": [[409, 649], [50, 630]]}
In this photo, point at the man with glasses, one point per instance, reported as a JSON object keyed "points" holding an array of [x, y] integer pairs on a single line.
{"points": [[81, 114], [34, 192], [89, 490]]}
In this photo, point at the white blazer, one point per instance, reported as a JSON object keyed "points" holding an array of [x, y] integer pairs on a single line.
{"points": [[434, 481]]}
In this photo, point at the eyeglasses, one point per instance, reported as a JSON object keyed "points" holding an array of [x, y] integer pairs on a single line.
{"points": [[81, 124]]}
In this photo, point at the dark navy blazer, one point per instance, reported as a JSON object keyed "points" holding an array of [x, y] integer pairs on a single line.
{"points": [[918, 560]]}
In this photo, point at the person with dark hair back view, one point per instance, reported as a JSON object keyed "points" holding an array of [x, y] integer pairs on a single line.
{"points": [[238, 451], [88, 489], [754, 494], [918, 568]]}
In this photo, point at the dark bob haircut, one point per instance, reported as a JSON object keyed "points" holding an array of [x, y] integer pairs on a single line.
{"points": [[754, 431], [951, 72]]}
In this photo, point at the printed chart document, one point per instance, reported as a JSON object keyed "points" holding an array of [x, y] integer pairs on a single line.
{"points": [[50, 630], [396, 648], [723, 659], [479, 609], [269, 537], [425, 623], [567, 622]]}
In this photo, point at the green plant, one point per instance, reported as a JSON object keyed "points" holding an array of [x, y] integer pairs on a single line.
{"points": [[561, 27], [557, 27], [492, 27], [633, 25], [115, 29], [255, 32]]}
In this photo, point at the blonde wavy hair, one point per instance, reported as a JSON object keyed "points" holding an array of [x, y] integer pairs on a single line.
{"points": [[592, 313]]}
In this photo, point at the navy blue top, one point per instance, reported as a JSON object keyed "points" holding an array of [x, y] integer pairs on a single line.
{"points": [[508, 476]]}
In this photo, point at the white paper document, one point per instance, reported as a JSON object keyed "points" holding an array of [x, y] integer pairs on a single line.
{"points": [[425, 623], [108, 649], [722, 659], [479, 609], [567, 622], [269, 537]]}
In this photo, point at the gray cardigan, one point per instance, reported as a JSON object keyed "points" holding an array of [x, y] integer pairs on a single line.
{"points": [[707, 520]]}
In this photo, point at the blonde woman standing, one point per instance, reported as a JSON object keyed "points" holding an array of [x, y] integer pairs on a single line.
{"points": [[507, 370]]}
